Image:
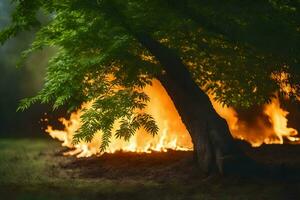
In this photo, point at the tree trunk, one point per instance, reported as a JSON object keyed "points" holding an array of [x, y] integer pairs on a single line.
{"points": [[214, 147]]}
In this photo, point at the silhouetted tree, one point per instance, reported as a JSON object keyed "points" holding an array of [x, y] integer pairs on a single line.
{"points": [[242, 52]]}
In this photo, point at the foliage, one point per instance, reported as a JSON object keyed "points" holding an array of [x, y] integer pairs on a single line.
{"points": [[232, 48]]}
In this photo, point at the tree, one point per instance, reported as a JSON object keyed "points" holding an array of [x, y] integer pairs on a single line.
{"points": [[242, 52]]}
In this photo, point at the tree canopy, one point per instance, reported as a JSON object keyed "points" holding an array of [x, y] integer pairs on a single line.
{"points": [[243, 52]]}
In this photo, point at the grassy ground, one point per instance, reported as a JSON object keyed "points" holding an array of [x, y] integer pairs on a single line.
{"points": [[35, 169]]}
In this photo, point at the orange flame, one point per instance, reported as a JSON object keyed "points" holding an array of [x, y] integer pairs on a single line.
{"points": [[277, 117], [172, 132]]}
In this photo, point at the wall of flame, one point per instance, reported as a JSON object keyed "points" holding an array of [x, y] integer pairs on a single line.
{"points": [[172, 132]]}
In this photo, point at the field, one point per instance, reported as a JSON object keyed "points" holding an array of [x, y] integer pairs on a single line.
{"points": [[35, 169]]}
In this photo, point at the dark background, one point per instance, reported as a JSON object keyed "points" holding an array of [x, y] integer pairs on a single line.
{"points": [[17, 83]]}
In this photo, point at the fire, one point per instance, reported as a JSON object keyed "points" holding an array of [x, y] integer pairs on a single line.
{"points": [[260, 131], [172, 132], [277, 117]]}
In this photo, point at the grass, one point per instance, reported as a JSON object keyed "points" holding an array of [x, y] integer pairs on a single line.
{"points": [[35, 169]]}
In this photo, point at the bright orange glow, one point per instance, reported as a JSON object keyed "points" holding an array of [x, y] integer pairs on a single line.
{"points": [[277, 117], [259, 132], [172, 132]]}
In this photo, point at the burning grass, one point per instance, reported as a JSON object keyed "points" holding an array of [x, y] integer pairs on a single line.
{"points": [[36, 169]]}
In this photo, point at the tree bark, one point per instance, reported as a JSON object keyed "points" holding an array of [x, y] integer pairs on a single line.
{"points": [[214, 147]]}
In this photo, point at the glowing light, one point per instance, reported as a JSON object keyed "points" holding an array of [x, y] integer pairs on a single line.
{"points": [[173, 134], [277, 117]]}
